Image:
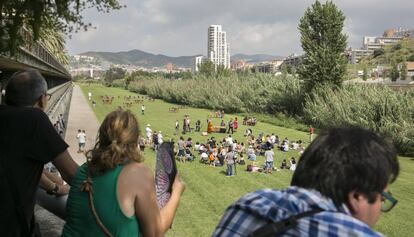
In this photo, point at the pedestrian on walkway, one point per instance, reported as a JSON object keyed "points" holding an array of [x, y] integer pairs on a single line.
{"points": [[62, 121], [81, 136]]}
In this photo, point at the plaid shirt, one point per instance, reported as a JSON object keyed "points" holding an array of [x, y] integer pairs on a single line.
{"points": [[268, 206]]}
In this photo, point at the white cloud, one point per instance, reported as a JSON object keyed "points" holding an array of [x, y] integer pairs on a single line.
{"points": [[261, 26]]}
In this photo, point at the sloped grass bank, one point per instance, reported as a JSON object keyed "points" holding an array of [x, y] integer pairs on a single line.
{"points": [[209, 192]]}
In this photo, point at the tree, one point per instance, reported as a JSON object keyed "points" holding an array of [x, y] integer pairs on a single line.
{"points": [[207, 68], [54, 40], [394, 73], [397, 46], [38, 14], [379, 52], [286, 69], [365, 73], [222, 71], [324, 45], [403, 70], [114, 73]]}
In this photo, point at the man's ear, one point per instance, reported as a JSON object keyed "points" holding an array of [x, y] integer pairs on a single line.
{"points": [[41, 102], [355, 201]]}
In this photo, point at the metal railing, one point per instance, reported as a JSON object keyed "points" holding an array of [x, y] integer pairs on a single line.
{"points": [[36, 51], [39, 51]]}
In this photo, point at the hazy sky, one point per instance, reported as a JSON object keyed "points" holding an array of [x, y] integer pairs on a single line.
{"points": [[177, 28]]}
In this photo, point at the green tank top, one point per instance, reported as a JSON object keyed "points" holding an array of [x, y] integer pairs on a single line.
{"points": [[80, 220]]}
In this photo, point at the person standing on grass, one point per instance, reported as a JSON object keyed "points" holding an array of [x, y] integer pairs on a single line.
{"points": [[160, 138], [185, 124], [311, 132], [89, 96], [142, 109], [231, 124], [141, 143], [155, 140], [181, 150], [177, 127], [235, 124], [269, 157], [148, 132], [198, 125], [230, 162], [339, 188]]}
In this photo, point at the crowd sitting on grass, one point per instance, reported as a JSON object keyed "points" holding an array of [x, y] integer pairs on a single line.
{"points": [[249, 121], [216, 153]]}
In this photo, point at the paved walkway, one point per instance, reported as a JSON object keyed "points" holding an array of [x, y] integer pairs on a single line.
{"points": [[81, 117]]}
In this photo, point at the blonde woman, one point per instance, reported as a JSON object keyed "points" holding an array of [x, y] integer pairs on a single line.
{"points": [[113, 194]]}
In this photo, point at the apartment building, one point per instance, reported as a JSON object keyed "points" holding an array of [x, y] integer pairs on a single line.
{"points": [[196, 63], [218, 49]]}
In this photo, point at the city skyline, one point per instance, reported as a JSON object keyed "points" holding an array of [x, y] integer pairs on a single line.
{"points": [[260, 27]]}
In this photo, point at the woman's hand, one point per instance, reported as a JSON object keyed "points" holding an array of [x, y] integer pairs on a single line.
{"points": [[63, 190], [178, 185]]}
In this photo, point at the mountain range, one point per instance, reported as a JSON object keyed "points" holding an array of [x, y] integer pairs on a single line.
{"points": [[148, 60]]}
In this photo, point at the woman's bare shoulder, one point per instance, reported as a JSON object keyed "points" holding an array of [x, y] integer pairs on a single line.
{"points": [[137, 175], [136, 168]]}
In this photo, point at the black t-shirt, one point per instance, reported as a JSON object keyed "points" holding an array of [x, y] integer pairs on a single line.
{"points": [[28, 140]]}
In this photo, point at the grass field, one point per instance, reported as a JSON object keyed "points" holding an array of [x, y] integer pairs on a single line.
{"points": [[209, 191]]}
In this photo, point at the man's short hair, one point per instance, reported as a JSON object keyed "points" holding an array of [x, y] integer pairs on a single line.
{"points": [[25, 88], [341, 160]]}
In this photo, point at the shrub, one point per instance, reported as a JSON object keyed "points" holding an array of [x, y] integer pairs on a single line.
{"points": [[378, 108], [118, 83], [251, 93]]}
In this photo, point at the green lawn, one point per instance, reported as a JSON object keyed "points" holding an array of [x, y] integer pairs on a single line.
{"points": [[209, 191]]}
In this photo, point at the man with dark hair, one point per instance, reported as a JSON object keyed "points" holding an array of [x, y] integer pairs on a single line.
{"points": [[231, 124], [28, 141], [339, 188]]}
